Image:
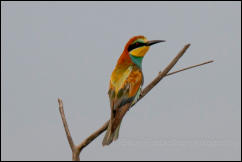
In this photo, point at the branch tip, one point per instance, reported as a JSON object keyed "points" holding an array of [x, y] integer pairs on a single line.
{"points": [[59, 101]]}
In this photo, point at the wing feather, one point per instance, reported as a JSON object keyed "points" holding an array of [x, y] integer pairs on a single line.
{"points": [[123, 92]]}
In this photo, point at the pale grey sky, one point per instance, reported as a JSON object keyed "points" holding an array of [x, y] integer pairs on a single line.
{"points": [[69, 49]]}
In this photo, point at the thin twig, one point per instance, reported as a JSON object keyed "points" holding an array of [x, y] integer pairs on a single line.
{"points": [[77, 149], [174, 72], [68, 134], [74, 149]]}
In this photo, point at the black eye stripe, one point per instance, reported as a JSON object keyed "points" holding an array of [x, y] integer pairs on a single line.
{"points": [[135, 45]]}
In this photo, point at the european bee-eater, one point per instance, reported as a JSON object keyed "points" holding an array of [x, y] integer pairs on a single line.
{"points": [[125, 83]]}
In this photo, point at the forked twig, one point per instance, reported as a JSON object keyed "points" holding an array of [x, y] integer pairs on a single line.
{"points": [[76, 149]]}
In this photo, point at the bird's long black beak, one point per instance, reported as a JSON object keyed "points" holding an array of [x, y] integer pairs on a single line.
{"points": [[149, 43]]}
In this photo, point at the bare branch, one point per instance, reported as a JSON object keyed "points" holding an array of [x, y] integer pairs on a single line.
{"points": [[68, 134], [189, 67], [77, 149], [93, 136]]}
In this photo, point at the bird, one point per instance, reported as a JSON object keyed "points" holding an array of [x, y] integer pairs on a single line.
{"points": [[125, 83]]}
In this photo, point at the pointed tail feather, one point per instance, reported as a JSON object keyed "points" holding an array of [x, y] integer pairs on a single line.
{"points": [[108, 138], [112, 132], [116, 133], [110, 135]]}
